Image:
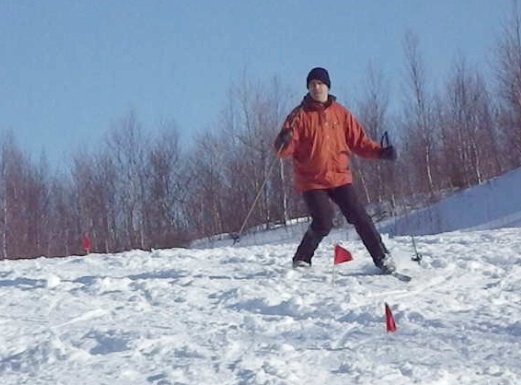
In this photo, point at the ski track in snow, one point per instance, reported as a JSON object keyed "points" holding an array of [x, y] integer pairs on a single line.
{"points": [[241, 315]]}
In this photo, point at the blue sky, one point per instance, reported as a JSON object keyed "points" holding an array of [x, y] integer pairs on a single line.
{"points": [[70, 70]]}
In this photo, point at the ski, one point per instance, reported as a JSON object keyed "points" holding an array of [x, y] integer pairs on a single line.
{"points": [[402, 277]]}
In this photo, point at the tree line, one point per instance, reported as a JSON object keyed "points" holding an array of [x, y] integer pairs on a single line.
{"points": [[141, 190]]}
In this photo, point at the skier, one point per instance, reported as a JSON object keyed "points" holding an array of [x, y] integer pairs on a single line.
{"points": [[320, 135]]}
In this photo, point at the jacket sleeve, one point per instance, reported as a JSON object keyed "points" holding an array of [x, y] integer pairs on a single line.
{"points": [[290, 124], [358, 141]]}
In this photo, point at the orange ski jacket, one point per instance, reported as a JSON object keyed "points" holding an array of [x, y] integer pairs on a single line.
{"points": [[323, 138]]}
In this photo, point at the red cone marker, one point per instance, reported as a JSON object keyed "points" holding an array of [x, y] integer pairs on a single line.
{"points": [[389, 320], [86, 243], [342, 255]]}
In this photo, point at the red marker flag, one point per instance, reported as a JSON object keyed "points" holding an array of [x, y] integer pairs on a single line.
{"points": [[389, 320], [86, 243], [342, 255]]}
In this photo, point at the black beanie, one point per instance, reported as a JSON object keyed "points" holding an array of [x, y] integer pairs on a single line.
{"points": [[318, 73]]}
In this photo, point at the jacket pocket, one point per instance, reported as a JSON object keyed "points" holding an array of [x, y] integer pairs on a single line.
{"points": [[343, 161]]}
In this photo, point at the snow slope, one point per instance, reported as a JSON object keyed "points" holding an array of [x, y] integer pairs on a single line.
{"points": [[491, 205], [239, 315]]}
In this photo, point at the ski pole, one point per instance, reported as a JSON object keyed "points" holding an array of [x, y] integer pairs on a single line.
{"points": [[384, 142], [417, 256], [236, 236]]}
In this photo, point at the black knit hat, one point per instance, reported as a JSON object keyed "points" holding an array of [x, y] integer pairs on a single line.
{"points": [[320, 74]]}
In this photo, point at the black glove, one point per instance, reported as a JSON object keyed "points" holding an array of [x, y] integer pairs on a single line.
{"points": [[388, 153], [283, 139]]}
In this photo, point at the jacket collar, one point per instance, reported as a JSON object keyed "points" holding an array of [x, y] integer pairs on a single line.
{"points": [[310, 104]]}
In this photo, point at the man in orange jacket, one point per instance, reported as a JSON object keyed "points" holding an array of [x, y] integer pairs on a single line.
{"points": [[320, 135]]}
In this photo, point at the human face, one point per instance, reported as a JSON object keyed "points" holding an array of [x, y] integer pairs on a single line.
{"points": [[318, 90]]}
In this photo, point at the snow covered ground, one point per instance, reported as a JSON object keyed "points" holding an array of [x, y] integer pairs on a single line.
{"points": [[491, 205], [240, 315]]}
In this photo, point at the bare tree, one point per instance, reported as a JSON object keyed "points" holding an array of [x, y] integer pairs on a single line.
{"points": [[96, 195], [64, 221], [166, 224], [377, 178], [23, 203], [259, 115], [128, 147], [509, 84], [420, 134], [470, 152], [207, 185]]}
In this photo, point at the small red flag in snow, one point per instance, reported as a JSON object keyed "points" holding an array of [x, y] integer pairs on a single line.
{"points": [[389, 320], [342, 255], [86, 243]]}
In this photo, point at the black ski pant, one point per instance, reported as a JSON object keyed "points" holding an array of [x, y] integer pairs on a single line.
{"points": [[321, 210]]}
